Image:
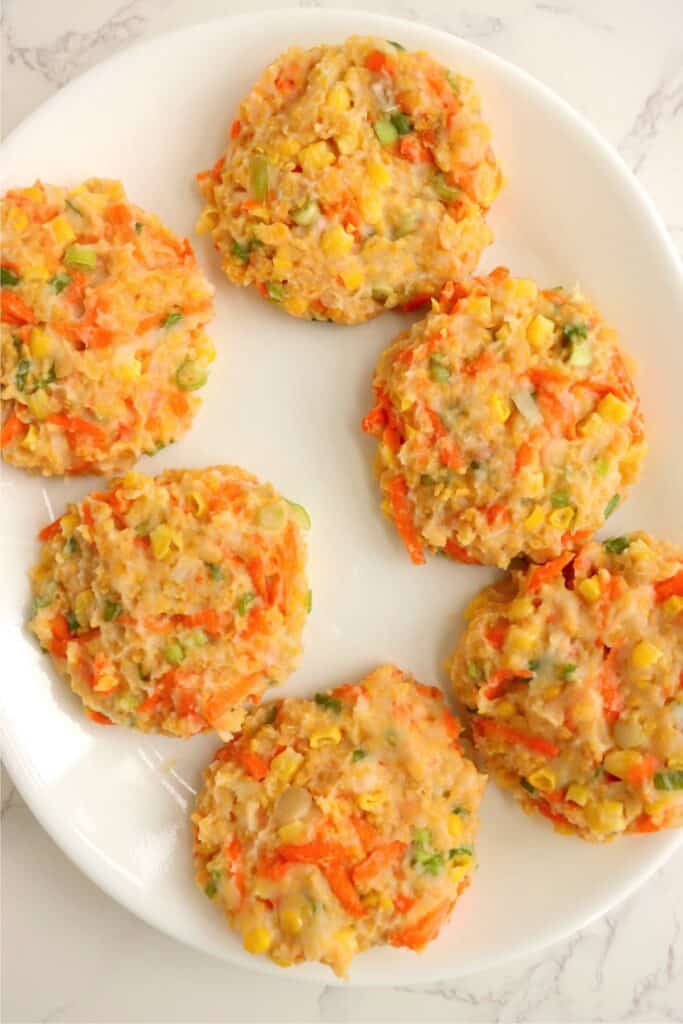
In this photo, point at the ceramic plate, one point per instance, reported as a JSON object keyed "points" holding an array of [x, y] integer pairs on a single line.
{"points": [[285, 400]]}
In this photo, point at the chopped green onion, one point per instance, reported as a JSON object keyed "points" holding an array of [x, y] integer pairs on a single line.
{"points": [[138, 226], [81, 257], [211, 887], [59, 282], [72, 206], [309, 601], [275, 291], [669, 780], [172, 319], [197, 638], [443, 190], [422, 836], [23, 367], [47, 597], [581, 352], [474, 671], [385, 131], [460, 851], [299, 515], [617, 545], [72, 621], [71, 546], [240, 252], [534, 664], [462, 811], [396, 46], [566, 671], [432, 865], [408, 223], [559, 499], [438, 371], [271, 715], [359, 754], [112, 610], [174, 653], [324, 700], [190, 375], [453, 81], [49, 378], [144, 528], [306, 214], [401, 123], [259, 176], [215, 571], [8, 278], [271, 517], [572, 331], [525, 784], [244, 602], [611, 505], [602, 466]]}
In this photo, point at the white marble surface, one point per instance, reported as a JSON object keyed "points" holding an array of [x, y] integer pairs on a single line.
{"points": [[620, 62]]}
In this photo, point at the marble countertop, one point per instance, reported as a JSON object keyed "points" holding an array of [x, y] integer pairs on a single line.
{"points": [[620, 62]]}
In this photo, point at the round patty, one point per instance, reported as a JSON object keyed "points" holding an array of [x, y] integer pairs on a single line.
{"points": [[573, 675], [356, 179], [335, 824], [507, 423], [169, 602], [102, 340]]}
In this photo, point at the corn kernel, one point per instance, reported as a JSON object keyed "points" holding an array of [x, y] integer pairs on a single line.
{"points": [[257, 940], [645, 654], [160, 539], [500, 407], [336, 242], [352, 278], [61, 230], [207, 221], [348, 142], [291, 920], [293, 832], [577, 794], [675, 763], [386, 902], [371, 801], [282, 264], [520, 639], [40, 343], [31, 438], [105, 683], [673, 606], [316, 157], [39, 405], [338, 98], [455, 825], [535, 518], [562, 518], [17, 219], [479, 307], [552, 692], [520, 608], [346, 937], [285, 765], [35, 194], [84, 605], [605, 816], [590, 589], [621, 762], [371, 207], [477, 604], [130, 370], [521, 288], [540, 331], [504, 709], [197, 503], [544, 780], [320, 737], [613, 409], [535, 484], [458, 872], [583, 711], [378, 173], [38, 272]]}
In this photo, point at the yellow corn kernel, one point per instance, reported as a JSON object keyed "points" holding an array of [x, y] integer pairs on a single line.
{"points": [[338, 98], [38, 272], [371, 207], [285, 765], [262, 888], [293, 832], [621, 762], [504, 709], [520, 608], [292, 921], [61, 230], [540, 331], [672, 606], [458, 872], [577, 794], [583, 711], [561, 517], [31, 438], [39, 405], [590, 589], [346, 937], [105, 683], [207, 221], [17, 219], [336, 242], [160, 539], [534, 484], [35, 194], [521, 288], [280, 958], [544, 780], [352, 278], [645, 654], [386, 902], [40, 343], [535, 518], [348, 142], [655, 808], [371, 801], [520, 639], [197, 503], [282, 264], [552, 692], [316, 157], [500, 407], [605, 816], [371, 899], [257, 940], [319, 737], [68, 523], [478, 307], [478, 602], [455, 825], [130, 370], [503, 332], [84, 605], [613, 409], [378, 173], [675, 763]]}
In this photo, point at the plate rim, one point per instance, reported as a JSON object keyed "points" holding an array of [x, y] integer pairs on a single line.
{"points": [[68, 839]]}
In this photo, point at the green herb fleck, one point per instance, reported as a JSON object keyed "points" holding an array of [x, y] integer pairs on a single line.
{"points": [[172, 319], [244, 602], [112, 610], [309, 601], [324, 700], [460, 851], [138, 227], [567, 671], [611, 505], [215, 571], [396, 46], [72, 206], [617, 545], [8, 278], [174, 653], [525, 784], [240, 252], [72, 621], [359, 754], [71, 546], [59, 282], [559, 499], [474, 671], [23, 367], [401, 123], [275, 291], [534, 664], [572, 331], [211, 887], [438, 371], [669, 780]]}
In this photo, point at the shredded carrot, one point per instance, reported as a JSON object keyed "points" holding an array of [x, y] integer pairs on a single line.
{"points": [[235, 128], [403, 903], [484, 361], [13, 309], [452, 727], [12, 428], [233, 856], [402, 509], [217, 168], [367, 833], [148, 322], [75, 427], [507, 734], [459, 553], [378, 61], [415, 302], [645, 824], [545, 573], [419, 933], [608, 681], [375, 421], [413, 150], [208, 619], [525, 454], [348, 691], [341, 885], [382, 857], [96, 716], [643, 772], [51, 530], [501, 680], [59, 629], [496, 632], [253, 763], [671, 587]]}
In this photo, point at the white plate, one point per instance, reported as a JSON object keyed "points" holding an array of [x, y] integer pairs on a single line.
{"points": [[285, 400]]}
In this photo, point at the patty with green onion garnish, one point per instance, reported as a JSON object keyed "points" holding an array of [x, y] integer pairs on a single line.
{"points": [[356, 179], [507, 423], [572, 676], [169, 603], [103, 347]]}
